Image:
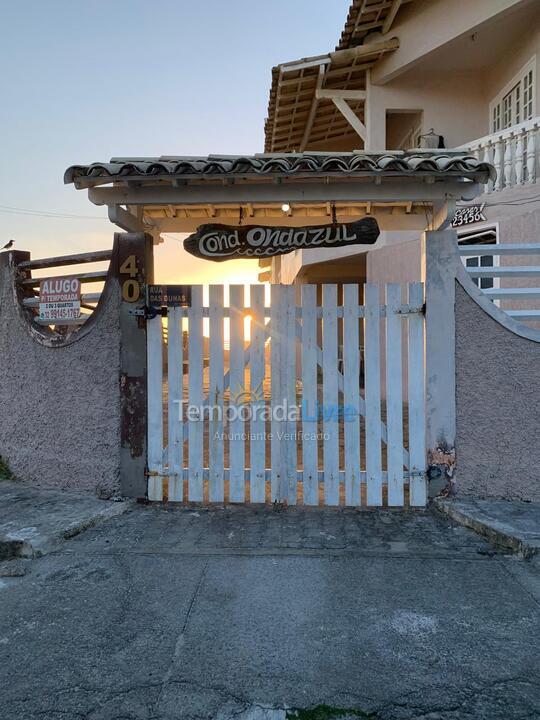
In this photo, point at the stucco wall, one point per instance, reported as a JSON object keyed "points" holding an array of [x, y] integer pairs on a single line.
{"points": [[398, 263], [498, 413], [60, 406], [454, 57]]}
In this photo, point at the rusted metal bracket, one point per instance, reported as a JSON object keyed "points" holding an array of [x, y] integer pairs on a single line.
{"points": [[155, 473], [405, 310], [148, 312]]}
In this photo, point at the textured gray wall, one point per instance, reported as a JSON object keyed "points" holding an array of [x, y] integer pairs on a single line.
{"points": [[60, 406], [498, 408]]}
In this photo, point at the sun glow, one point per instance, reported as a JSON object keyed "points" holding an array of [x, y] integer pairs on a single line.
{"points": [[173, 265]]}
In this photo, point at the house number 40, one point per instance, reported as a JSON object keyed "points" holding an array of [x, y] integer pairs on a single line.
{"points": [[131, 288]]}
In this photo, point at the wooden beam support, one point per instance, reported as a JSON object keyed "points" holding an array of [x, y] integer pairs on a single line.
{"points": [[313, 110], [124, 219], [344, 57], [389, 20], [353, 120], [327, 94], [388, 191]]}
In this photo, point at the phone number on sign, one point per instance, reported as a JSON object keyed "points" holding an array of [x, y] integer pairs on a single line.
{"points": [[63, 313]]}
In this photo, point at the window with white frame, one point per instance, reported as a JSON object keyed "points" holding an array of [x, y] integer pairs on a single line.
{"points": [[480, 235], [516, 102]]}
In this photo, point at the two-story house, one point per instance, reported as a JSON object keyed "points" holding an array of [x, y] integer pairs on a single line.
{"points": [[422, 74]]}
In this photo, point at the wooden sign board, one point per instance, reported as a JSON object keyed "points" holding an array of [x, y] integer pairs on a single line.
{"points": [[223, 242], [169, 296], [60, 299]]}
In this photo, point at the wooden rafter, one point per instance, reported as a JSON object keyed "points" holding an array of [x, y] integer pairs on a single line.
{"points": [[313, 110], [389, 19], [322, 90]]}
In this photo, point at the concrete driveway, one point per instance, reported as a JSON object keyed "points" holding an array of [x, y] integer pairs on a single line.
{"points": [[253, 613]]}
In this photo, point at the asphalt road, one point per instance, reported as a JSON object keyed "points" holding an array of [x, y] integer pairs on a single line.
{"points": [[252, 613]]}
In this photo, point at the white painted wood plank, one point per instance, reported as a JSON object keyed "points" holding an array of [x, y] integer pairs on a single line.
{"points": [[373, 394], [154, 359], [330, 396], [276, 426], [416, 380], [394, 396], [175, 424], [532, 293], [500, 249], [257, 371], [196, 422], [216, 441], [351, 394], [504, 271], [310, 481], [340, 377], [289, 448], [237, 386]]}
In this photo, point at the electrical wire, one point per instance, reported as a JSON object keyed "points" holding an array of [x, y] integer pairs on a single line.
{"points": [[48, 213]]}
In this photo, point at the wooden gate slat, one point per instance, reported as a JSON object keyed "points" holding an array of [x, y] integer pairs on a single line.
{"points": [[341, 397], [330, 396], [289, 454], [394, 396], [237, 385], [373, 394], [175, 423], [276, 391], [351, 394], [417, 443], [216, 490], [154, 352], [310, 480], [195, 426], [256, 385]]}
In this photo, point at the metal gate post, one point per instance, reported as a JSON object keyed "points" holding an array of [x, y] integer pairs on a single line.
{"points": [[438, 262], [134, 268]]}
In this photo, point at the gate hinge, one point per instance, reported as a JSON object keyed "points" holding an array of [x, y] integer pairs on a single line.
{"points": [[155, 473]]}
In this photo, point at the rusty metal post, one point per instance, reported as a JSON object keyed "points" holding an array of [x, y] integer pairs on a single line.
{"points": [[134, 267]]}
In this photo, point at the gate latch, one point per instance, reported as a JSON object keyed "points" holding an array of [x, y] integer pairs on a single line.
{"points": [[148, 312]]}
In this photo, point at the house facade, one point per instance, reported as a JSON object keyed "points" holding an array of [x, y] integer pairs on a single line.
{"points": [[412, 76]]}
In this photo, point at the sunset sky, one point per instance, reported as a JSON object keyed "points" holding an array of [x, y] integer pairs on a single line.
{"points": [[82, 82]]}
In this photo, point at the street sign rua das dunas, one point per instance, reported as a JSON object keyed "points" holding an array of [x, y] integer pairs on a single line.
{"points": [[169, 296]]}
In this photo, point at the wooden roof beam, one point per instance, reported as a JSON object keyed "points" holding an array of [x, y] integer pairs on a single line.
{"points": [[313, 110], [331, 94], [353, 120], [389, 20]]}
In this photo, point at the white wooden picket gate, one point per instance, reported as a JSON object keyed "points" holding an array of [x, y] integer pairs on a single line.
{"points": [[307, 402]]}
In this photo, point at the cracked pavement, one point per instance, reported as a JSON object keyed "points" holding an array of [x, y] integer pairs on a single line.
{"points": [[245, 612]]}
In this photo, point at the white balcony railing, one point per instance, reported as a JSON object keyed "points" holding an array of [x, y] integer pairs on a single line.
{"points": [[515, 153]]}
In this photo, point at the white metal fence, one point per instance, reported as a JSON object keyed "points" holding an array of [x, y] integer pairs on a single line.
{"points": [[513, 288], [306, 402]]}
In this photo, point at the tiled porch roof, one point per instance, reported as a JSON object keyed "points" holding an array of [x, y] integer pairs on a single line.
{"points": [[455, 165]]}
